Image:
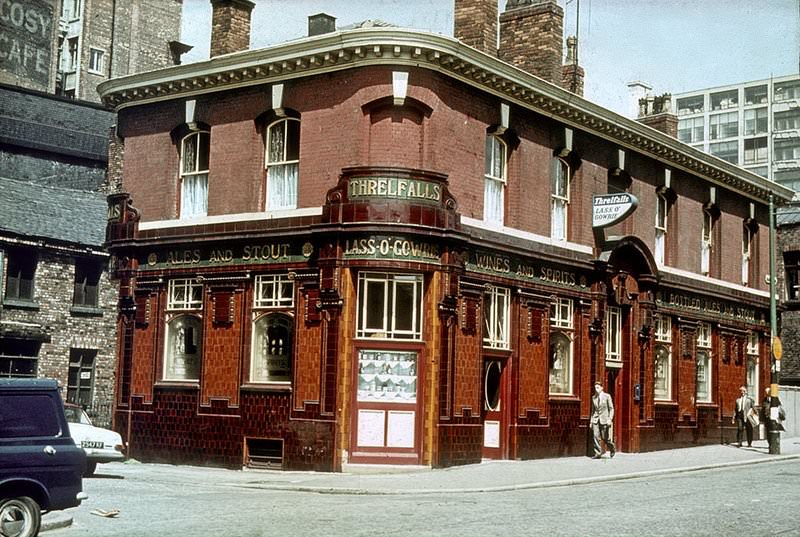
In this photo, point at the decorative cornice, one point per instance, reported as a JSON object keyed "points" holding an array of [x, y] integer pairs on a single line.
{"points": [[399, 47]]}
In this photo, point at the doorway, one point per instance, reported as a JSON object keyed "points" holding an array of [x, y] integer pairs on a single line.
{"points": [[494, 388]]}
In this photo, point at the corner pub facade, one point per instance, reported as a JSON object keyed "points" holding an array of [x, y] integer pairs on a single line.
{"points": [[376, 246]]}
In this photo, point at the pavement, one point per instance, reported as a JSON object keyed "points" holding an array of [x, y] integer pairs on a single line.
{"points": [[488, 476]]}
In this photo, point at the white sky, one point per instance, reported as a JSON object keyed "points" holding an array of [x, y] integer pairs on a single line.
{"points": [[673, 45]]}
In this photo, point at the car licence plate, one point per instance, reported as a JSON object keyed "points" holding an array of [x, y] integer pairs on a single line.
{"points": [[89, 444]]}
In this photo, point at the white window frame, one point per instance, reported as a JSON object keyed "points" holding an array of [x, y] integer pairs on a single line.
{"points": [[97, 55], [662, 210], [663, 331], [704, 350], [194, 178], [704, 336], [496, 315], [704, 356], [560, 197], [753, 353], [388, 329], [269, 291], [561, 313], [184, 294], [495, 180], [281, 194], [258, 359], [561, 324], [614, 334], [747, 246], [706, 243]]}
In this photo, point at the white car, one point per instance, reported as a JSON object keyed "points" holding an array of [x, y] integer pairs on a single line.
{"points": [[100, 445]]}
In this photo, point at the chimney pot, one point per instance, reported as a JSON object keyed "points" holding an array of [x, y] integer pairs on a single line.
{"points": [[321, 23], [230, 26]]}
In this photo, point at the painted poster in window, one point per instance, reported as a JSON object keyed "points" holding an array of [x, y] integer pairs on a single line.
{"points": [[387, 376]]}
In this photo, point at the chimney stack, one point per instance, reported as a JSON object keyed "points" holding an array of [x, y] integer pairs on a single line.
{"points": [[321, 23], [475, 24], [531, 37], [230, 26], [572, 73], [657, 112]]}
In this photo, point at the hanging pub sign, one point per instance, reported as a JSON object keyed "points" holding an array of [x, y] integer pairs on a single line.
{"points": [[609, 209]]}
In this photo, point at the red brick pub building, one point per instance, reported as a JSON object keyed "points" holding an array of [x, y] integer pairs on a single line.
{"points": [[376, 246]]}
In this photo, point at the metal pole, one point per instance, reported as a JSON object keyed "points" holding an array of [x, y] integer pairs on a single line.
{"points": [[773, 434]]}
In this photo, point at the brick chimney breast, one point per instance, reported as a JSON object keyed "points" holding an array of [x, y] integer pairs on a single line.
{"points": [[475, 24], [531, 37], [230, 26]]}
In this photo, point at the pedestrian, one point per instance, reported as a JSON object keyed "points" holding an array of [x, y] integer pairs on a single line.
{"points": [[602, 418], [765, 403], [744, 407]]}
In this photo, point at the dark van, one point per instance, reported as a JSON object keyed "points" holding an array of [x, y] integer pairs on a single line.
{"points": [[40, 465]]}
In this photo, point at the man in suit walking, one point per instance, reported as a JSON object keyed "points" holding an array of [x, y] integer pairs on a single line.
{"points": [[744, 407], [602, 419]]}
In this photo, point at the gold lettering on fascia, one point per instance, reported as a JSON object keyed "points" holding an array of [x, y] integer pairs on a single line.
{"points": [[393, 187], [258, 252], [503, 265], [391, 247], [694, 303], [183, 257], [266, 252]]}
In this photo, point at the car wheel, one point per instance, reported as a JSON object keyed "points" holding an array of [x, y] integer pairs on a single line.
{"points": [[20, 517], [90, 468]]}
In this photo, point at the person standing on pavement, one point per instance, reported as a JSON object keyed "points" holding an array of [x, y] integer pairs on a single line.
{"points": [[744, 407], [602, 418]]}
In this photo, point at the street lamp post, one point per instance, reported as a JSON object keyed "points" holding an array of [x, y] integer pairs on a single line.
{"points": [[776, 350]]}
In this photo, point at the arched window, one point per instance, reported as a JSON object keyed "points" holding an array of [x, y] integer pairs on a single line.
{"points": [[194, 174], [559, 199], [282, 163], [184, 348], [272, 348], [494, 180]]}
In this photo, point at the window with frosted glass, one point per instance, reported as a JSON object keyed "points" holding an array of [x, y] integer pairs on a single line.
{"points": [[614, 334], [183, 348], [389, 306], [194, 175], [559, 214], [282, 162], [497, 303], [560, 352], [752, 351], [662, 371], [494, 180], [271, 354], [704, 362]]}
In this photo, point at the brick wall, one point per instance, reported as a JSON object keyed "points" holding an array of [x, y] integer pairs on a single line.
{"points": [[53, 294], [531, 38], [230, 26], [475, 24]]}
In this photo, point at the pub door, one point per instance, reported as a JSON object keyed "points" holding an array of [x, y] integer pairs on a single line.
{"points": [[614, 381], [494, 422], [386, 424]]}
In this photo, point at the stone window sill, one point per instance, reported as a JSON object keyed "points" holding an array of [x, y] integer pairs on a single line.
{"points": [[21, 304], [86, 310]]}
